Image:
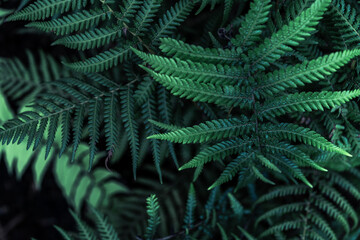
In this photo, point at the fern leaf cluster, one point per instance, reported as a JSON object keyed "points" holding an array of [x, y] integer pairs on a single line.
{"points": [[254, 92]]}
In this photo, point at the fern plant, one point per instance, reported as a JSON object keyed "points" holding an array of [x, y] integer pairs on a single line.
{"points": [[123, 25], [261, 89], [244, 83], [312, 213]]}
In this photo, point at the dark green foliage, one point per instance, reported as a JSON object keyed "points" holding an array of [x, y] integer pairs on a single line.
{"points": [[240, 91]]}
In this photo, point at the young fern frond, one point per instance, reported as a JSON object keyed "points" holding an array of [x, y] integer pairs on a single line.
{"points": [[154, 218]]}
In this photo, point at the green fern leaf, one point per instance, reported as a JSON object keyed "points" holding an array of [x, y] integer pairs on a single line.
{"points": [[226, 95], [208, 131], [154, 218], [185, 51], [94, 127], [301, 102], [75, 22], [130, 124], [218, 152], [197, 72], [91, 39], [294, 132], [306, 72], [102, 61], [289, 35], [253, 24], [42, 9], [106, 230], [171, 19]]}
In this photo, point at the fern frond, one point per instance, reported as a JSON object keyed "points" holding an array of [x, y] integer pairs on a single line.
{"points": [[102, 61], [208, 131], [130, 124], [154, 218], [294, 132], [305, 73], [91, 39], [63, 233], [310, 101], [232, 169], [226, 95], [42, 9], [282, 227], [190, 207], [149, 112], [332, 211], [346, 23], [218, 152], [195, 71], [171, 19], [179, 49], [94, 125], [145, 16], [75, 22], [105, 229], [84, 231], [289, 35], [253, 24]]}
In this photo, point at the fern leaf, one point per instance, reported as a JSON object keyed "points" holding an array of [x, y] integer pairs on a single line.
{"points": [[154, 218], [294, 132], [171, 19], [63, 233], [128, 10], [42, 9], [94, 127], [145, 16], [190, 207], [218, 152], [226, 95], [232, 169], [75, 22], [289, 35], [179, 49], [77, 129], [130, 124], [106, 230], [306, 72], [149, 112], [301, 102], [111, 121], [53, 125], [91, 39], [102, 61], [207, 131], [254, 22], [197, 72], [84, 231]]}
